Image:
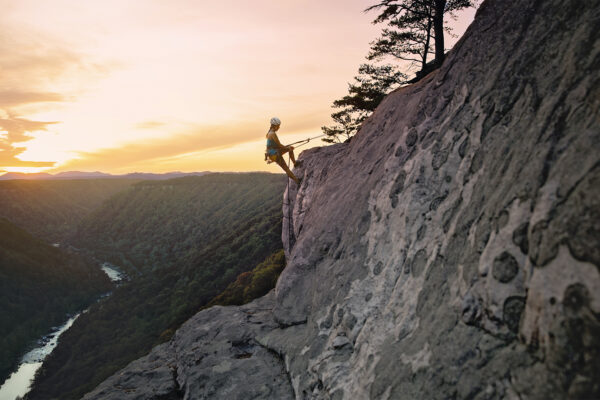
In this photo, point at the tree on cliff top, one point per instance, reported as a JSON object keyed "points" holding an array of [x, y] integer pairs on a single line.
{"points": [[412, 22], [408, 37], [364, 95], [415, 31]]}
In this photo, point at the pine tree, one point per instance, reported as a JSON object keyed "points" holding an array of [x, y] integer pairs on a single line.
{"points": [[408, 36], [412, 22], [370, 86], [415, 31]]}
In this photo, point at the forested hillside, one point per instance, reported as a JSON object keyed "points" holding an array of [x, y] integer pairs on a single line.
{"points": [[253, 284], [39, 285], [208, 230], [160, 224], [52, 209]]}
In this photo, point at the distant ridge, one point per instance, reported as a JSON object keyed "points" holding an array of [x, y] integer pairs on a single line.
{"points": [[97, 175]]}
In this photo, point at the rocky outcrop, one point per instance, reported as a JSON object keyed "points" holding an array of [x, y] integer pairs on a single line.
{"points": [[451, 250], [212, 356]]}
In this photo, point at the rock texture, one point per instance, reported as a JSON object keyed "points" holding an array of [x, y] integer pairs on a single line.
{"points": [[212, 356], [451, 250]]}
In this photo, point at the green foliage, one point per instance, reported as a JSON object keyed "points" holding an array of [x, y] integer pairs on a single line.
{"points": [[208, 230], [52, 209], [39, 285], [364, 95], [152, 224], [252, 284]]}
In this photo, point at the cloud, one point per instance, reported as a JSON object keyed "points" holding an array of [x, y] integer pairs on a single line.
{"points": [[151, 152], [15, 130], [35, 68], [146, 152], [8, 158], [149, 125], [33, 65], [16, 98]]}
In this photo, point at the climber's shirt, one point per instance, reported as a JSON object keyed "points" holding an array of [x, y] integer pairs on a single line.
{"points": [[273, 146]]}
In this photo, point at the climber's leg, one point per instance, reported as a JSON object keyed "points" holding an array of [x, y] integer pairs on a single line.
{"points": [[289, 173], [289, 149]]}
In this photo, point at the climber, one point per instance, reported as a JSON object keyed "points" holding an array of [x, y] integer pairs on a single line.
{"points": [[275, 150]]}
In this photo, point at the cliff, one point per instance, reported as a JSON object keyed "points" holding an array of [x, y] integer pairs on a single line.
{"points": [[451, 250]]}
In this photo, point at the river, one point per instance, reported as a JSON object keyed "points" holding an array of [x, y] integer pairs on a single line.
{"points": [[19, 382]]}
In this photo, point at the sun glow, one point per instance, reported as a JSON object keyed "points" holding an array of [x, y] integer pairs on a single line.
{"points": [[86, 86], [26, 170]]}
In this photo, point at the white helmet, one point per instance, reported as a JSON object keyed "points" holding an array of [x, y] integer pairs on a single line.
{"points": [[275, 121]]}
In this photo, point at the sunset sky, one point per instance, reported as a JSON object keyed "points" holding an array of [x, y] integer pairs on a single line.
{"points": [[157, 86]]}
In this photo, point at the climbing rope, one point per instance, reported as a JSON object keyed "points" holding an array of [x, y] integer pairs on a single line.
{"points": [[305, 141]]}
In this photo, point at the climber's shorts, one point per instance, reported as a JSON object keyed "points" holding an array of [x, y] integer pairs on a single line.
{"points": [[272, 155]]}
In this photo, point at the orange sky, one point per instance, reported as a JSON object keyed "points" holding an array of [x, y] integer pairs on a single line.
{"points": [[156, 86]]}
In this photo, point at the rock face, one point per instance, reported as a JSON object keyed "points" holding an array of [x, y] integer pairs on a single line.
{"points": [[451, 250]]}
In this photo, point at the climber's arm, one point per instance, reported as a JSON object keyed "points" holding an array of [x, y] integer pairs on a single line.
{"points": [[276, 140]]}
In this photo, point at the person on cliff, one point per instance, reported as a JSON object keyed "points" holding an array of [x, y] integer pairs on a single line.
{"points": [[275, 150]]}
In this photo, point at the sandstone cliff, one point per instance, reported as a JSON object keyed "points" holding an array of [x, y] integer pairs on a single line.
{"points": [[451, 250]]}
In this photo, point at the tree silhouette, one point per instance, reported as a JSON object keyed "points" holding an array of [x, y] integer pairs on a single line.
{"points": [[370, 86], [411, 23], [415, 30]]}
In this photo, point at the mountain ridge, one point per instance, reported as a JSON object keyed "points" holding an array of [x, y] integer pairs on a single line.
{"points": [[96, 175]]}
